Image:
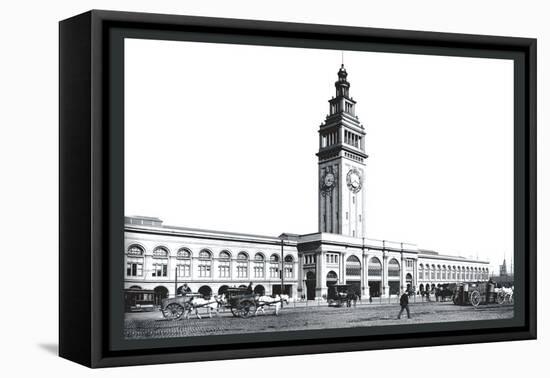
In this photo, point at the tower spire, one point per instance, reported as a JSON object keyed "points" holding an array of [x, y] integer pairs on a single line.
{"points": [[342, 165]]}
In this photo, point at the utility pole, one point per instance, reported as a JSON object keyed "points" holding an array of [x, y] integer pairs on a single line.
{"points": [[283, 269], [176, 282]]}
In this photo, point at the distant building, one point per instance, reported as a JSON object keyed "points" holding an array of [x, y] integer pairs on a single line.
{"points": [[161, 258], [504, 278], [503, 269]]}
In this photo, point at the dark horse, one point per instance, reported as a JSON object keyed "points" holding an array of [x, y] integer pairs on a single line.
{"points": [[351, 297]]}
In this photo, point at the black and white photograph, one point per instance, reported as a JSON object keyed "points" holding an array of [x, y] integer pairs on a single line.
{"points": [[275, 189]]}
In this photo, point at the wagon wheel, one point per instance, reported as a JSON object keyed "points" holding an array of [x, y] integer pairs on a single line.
{"points": [[234, 311], [501, 298], [173, 311], [475, 298], [245, 309]]}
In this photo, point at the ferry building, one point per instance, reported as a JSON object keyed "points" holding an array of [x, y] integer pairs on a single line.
{"points": [[159, 258]]}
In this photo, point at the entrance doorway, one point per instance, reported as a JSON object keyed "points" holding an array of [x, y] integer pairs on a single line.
{"points": [[409, 281], [310, 286], [160, 293], [355, 286], [394, 287], [374, 288], [332, 280]]}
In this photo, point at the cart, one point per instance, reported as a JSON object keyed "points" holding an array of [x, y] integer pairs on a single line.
{"points": [[476, 293], [338, 295], [241, 303], [174, 308]]}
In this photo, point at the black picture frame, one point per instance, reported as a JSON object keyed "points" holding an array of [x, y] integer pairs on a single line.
{"points": [[91, 176]]}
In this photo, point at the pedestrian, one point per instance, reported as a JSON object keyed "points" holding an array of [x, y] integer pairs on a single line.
{"points": [[428, 295], [404, 302]]}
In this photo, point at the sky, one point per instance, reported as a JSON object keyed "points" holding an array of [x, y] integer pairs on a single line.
{"points": [[224, 137]]}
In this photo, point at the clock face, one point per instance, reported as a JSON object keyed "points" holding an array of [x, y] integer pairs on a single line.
{"points": [[354, 180]]}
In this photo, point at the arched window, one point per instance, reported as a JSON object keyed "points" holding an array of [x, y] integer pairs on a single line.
{"points": [[135, 250], [259, 269], [224, 264], [394, 276], [443, 272], [289, 266], [183, 257], [160, 262], [205, 263], [420, 271], [432, 272], [274, 266], [205, 255], [438, 277], [134, 261], [353, 266], [242, 265], [375, 267], [183, 253], [160, 252], [332, 278], [393, 269]]}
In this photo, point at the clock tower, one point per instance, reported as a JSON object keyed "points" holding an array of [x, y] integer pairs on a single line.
{"points": [[342, 165]]}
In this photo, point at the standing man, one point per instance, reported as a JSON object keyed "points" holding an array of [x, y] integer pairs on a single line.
{"points": [[404, 302]]}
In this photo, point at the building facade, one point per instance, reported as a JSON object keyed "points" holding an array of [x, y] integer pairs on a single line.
{"points": [[160, 258]]}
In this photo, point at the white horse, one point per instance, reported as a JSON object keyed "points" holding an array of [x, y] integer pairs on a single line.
{"points": [[211, 304], [276, 302]]}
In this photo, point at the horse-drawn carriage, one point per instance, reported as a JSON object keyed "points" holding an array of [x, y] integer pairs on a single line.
{"points": [[445, 292], [239, 301], [476, 293], [242, 303], [339, 295], [176, 307]]}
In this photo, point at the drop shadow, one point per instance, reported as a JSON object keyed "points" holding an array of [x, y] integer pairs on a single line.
{"points": [[52, 348]]}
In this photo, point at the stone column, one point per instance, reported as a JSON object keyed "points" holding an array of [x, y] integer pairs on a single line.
{"points": [[415, 275], [385, 284], [300, 276], [320, 275], [402, 272], [365, 276], [342, 266]]}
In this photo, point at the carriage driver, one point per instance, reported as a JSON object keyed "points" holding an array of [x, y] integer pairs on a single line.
{"points": [[249, 289], [185, 289]]}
